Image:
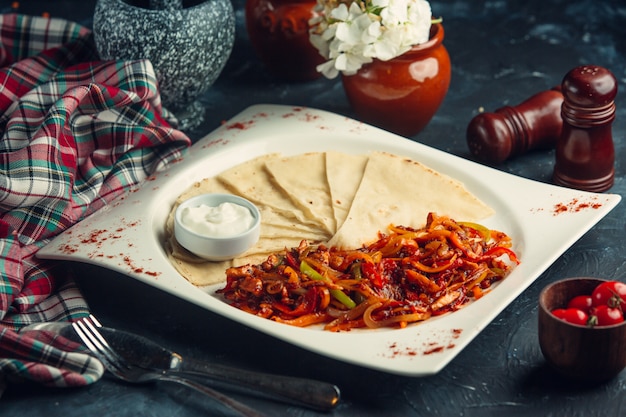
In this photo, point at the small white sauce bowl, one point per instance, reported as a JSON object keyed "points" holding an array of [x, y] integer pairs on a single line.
{"points": [[216, 248]]}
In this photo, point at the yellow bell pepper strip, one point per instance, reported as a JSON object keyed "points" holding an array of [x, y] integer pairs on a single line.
{"points": [[338, 295], [423, 281], [485, 232], [430, 269], [306, 320]]}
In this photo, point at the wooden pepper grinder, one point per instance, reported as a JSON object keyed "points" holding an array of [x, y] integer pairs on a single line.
{"points": [[513, 130], [585, 155]]}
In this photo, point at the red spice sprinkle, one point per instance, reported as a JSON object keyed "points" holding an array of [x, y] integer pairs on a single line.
{"points": [[310, 117], [94, 236], [137, 269], [575, 206], [434, 350], [429, 346], [68, 249], [130, 264], [216, 142], [240, 125]]}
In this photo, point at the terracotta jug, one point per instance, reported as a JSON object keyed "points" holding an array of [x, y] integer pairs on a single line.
{"points": [[403, 94], [279, 34]]}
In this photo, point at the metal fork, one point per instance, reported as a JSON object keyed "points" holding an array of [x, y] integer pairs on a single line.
{"points": [[86, 328]]}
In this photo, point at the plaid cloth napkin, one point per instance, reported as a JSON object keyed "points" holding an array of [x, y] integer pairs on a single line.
{"points": [[76, 133]]}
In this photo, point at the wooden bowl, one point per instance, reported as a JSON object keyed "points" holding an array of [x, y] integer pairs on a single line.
{"points": [[587, 354]]}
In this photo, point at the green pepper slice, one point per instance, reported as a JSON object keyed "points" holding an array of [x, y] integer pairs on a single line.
{"points": [[338, 295]]}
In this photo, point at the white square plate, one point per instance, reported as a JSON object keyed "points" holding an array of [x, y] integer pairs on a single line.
{"points": [[543, 220]]}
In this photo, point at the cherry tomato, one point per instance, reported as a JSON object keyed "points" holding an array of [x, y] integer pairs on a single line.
{"points": [[611, 293], [571, 315], [581, 302], [606, 315]]}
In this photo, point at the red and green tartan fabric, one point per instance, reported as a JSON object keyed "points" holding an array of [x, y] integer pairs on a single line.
{"points": [[76, 133]]}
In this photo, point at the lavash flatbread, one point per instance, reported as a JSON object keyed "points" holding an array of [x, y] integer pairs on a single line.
{"points": [[343, 173], [252, 181], [334, 198], [401, 191], [303, 179]]}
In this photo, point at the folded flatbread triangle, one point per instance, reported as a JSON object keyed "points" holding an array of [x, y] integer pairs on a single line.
{"points": [[303, 179], [251, 180], [400, 191], [344, 173]]}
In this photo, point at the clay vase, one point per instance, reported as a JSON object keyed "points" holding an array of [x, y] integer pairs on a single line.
{"points": [[279, 34], [403, 94], [187, 41]]}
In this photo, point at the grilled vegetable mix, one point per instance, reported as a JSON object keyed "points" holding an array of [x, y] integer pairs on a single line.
{"points": [[406, 276]]}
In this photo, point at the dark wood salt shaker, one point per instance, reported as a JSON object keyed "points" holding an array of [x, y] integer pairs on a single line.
{"points": [[585, 155], [513, 130]]}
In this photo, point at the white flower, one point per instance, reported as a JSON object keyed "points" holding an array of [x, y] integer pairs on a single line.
{"points": [[351, 33]]}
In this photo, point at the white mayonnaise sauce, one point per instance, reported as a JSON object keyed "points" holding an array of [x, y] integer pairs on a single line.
{"points": [[227, 219]]}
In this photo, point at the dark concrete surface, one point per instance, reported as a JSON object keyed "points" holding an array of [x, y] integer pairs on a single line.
{"points": [[502, 52]]}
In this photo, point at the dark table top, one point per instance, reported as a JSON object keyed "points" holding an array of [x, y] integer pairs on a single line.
{"points": [[502, 52]]}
